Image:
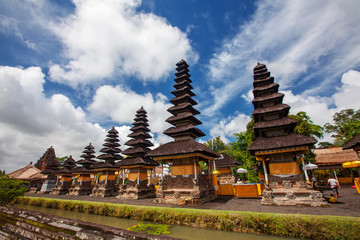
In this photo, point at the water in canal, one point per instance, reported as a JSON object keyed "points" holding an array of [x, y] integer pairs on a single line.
{"points": [[181, 232]]}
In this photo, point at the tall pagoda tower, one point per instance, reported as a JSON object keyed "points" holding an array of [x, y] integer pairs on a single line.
{"points": [[104, 181], [136, 162], [278, 148], [49, 166], [64, 177], [186, 184], [82, 175]]}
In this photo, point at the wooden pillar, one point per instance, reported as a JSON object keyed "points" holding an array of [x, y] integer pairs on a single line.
{"points": [[195, 173], [138, 178], [162, 171], [209, 171], [265, 171], [123, 176], [106, 177]]}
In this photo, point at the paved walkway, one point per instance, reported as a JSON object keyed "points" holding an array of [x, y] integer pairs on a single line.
{"points": [[349, 204]]}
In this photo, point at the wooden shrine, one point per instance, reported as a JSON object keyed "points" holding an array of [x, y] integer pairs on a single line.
{"points": [[82, 182], [104, 172], [64, 177], [137, 185], [278, 148], [185, 184]]}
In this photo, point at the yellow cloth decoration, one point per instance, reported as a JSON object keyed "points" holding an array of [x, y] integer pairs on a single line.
{"points": [[184, 169], [288, 168]]}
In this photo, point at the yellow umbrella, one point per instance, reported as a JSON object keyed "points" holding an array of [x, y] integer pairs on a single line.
{"points": [[352, 164]]}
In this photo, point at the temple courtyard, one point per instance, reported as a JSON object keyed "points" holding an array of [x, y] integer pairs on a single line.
{"points": [[348, 205]]}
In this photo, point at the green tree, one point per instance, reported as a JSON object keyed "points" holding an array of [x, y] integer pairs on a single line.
{"points": [[306, 127], [11, 188], [62, 159], [239, 151], [346, 126], [216, 144]]}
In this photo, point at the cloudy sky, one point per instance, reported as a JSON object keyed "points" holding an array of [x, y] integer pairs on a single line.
{"points": [[70, 70]]}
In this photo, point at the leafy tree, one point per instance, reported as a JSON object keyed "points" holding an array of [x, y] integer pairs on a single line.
{"points": [[10, 188], [346, 126], [239, 151], [216, 144], [306, 127], [325, 144], [62, 159]]}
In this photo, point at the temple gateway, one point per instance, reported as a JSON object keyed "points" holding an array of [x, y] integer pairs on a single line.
{"points": [[278, 148]]}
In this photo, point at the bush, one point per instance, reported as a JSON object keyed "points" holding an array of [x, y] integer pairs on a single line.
{"points": [[11, 188]]}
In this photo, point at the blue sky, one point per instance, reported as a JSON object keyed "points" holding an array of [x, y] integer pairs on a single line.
{"points": [[70, 70]]}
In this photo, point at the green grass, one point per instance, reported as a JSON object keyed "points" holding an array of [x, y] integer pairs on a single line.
{"points": [[286, 225]]}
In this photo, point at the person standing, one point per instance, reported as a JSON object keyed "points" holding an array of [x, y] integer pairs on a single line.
{"points": [[334, 184]]}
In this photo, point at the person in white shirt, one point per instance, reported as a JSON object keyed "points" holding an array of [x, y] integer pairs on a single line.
{"points": [[334, 184]]}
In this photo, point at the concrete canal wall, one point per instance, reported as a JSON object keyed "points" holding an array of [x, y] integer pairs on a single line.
{"points": [[23, 224]]}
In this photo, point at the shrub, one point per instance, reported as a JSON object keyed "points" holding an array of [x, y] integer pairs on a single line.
{"points": [[10, 189]]}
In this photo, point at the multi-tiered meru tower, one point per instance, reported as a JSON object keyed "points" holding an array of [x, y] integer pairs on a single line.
{"points": [[185, 184], [105, 178], [136, 163], [280, 150], [64, 177], [82, 175]]}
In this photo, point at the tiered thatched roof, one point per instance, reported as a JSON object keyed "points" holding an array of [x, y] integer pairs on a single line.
{"points": [[87, 161], [184, 131], [110, 151], [139, 145], [273, 128], [353, 143]]}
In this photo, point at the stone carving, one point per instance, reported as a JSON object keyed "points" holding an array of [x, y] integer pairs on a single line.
{"points": [[287, 184]]}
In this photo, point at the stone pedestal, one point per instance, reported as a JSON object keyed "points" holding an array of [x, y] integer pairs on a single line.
{"points": [[61, 188], [103, 189], [292, 194], [185, 189], [79, 189], [132, 190]]}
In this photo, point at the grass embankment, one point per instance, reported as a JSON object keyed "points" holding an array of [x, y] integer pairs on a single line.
{"points": [[286, 225]]}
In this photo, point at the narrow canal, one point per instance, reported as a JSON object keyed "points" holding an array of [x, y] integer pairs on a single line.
{"points": [[181, 232]]}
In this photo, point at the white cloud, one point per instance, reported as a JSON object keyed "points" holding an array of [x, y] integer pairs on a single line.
{"points": [[320, 109], [318, 39], [227, 127], [120, 104], [105, 38], [31, 122]]}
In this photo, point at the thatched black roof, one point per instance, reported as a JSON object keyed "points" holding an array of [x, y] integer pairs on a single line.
{"points": [[352, 143], [291, 140], [142, 161], [182, 147], [226, 161]]}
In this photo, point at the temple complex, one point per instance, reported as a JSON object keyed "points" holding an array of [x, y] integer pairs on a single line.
{"points": [[185, 184], [104, 179], [278, 148], [136, 163], [50, 166], [64, 177], [82, 175]]}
